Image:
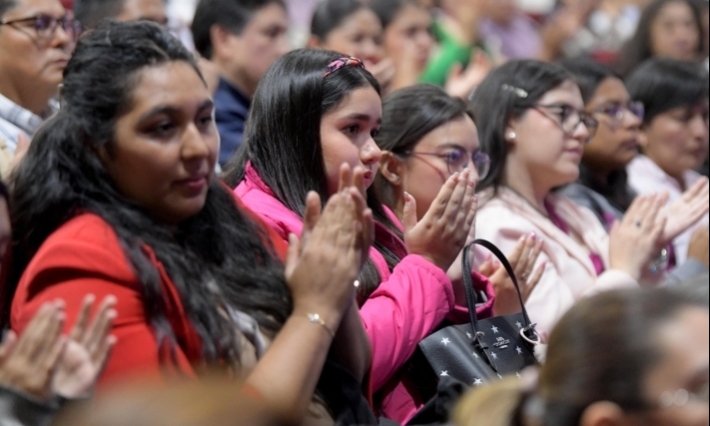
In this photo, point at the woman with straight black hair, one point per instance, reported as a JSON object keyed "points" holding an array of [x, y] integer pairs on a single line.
{"points": [[667, 29], [652, 370], [675, 133], [532, 124], [603, 185], [128, 205], [313, 111]]}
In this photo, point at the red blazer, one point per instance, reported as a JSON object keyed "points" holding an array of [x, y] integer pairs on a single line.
{"points": [[84, 257]]}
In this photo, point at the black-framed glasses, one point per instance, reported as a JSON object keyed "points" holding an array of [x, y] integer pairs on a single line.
{"points": [[46, 26], [458, 159], [617, 111], [568, 119]]}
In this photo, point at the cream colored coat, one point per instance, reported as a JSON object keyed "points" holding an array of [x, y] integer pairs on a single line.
{"points": [[570, 274]]}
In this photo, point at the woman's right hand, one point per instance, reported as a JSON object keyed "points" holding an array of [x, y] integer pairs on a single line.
{"points": [[441, 234], [322, 266], [637, 239]]}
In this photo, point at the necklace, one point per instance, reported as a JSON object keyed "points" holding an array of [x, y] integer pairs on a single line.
{"points": [[533, 206]]}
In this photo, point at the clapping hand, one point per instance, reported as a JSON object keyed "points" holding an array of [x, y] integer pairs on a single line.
{"points": [[686, 211], [86, 351]]}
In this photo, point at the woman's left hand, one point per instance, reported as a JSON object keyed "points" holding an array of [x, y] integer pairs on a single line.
{"points": [[686, 211]]}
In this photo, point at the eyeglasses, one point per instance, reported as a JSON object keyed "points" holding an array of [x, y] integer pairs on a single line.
{"points": [[458, 159], [46, 26], [569, 118], [616, 112]]}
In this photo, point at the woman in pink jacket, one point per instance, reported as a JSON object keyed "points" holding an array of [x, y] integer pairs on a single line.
{"points": [[314, 111], [533, 125]]}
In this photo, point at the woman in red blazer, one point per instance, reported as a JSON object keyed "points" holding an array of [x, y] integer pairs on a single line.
{"points": [[117, 196]]}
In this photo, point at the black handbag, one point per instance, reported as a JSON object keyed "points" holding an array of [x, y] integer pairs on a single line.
{"points": [[486, 349]]}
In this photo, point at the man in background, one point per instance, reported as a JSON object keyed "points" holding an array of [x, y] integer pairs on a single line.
{"points": [[242, 38]]}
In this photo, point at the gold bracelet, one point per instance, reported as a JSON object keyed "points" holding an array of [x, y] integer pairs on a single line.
{"points": [[316, 319]]}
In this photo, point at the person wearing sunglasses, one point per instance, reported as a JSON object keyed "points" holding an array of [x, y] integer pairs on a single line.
{"points": [[603, 185], [37, 38], [533, 124]]}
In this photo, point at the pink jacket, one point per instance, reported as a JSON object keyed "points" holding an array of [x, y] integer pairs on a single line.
{"points": [[570, 274], [410, 303]]}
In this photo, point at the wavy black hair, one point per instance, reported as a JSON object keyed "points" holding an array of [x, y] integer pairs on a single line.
{"points": [[219, 256], [508, 93], [283, 143]]}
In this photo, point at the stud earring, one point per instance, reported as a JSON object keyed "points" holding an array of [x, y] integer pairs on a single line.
{"points": [[512, 135]]}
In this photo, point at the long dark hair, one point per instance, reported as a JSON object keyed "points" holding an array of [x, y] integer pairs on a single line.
{"points": [[589, 75], [408, 115], [508, 93], [638, 49], [283, 142], [217, 256]]}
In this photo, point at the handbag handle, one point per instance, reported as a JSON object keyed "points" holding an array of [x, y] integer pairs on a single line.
{"points": [[470, 294]]}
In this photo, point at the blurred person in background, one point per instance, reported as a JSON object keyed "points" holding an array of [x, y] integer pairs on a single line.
{"points": [[409, 42], [504, 28], [622, 358], [674, 140], [668, 29], [37, 38], [609, 26], [91, 12], [352, 28], [242, 39], [407, 39], [603, 185]]}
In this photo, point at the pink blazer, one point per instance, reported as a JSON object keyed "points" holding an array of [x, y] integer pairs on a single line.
{"points": [[410, 303], [570, 273]]}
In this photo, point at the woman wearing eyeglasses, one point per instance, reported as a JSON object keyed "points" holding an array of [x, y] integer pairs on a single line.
{"points": [[36, 40], [603, 185], [426, 137], [533, 126]]}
